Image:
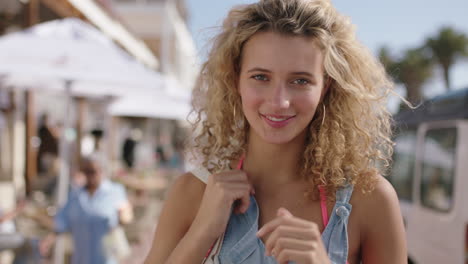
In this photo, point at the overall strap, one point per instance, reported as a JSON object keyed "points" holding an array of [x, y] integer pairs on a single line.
{"points": [[338, 247], [343, 195]]}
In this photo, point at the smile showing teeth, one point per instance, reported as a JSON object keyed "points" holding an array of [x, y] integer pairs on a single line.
{"points": [[275, 119]]}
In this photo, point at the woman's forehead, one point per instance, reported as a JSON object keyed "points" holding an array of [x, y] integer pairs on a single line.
{"points": [[279, 52]]}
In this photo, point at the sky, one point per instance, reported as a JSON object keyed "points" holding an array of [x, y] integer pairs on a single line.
{"points": [[397, 24]]}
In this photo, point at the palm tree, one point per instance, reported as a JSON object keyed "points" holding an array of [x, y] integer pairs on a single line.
{"points": [[412, 70], [448, 46]]}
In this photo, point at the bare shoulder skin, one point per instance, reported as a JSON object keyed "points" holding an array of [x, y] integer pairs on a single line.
{"points": [[178, 213], [382, 231]]}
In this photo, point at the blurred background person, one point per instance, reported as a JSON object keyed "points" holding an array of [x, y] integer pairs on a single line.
{"points": [[48, 149], [93, 215], [128, 147], [47, 156]]}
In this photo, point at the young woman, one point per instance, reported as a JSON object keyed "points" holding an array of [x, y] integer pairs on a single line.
{"points": [[292, 132]]}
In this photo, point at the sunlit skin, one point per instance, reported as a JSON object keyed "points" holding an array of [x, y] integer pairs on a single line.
{"points": [[281, 83], [281, 80]]}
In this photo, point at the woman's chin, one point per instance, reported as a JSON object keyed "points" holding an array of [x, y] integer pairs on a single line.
{"points": [[277, 140]]}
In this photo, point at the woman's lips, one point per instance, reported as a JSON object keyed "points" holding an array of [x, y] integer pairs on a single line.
{"points": [[277, 121]]}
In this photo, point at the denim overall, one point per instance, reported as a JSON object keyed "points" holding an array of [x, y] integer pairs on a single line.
{"points": [[241, 245]]}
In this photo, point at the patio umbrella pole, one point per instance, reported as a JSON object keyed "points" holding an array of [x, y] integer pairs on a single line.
{"points": [[64, 176]]}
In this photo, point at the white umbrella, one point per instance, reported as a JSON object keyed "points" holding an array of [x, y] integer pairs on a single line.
{"points": [[173, 103], [70, 49], [151, 105]]}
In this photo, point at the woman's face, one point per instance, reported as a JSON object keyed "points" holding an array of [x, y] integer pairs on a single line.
{"points": [[280, 83]]}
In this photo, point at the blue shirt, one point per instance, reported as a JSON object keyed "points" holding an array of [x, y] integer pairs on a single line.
{"points": [[89, 219]]}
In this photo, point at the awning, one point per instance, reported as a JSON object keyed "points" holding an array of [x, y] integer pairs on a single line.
{"points": [[116, 31]]}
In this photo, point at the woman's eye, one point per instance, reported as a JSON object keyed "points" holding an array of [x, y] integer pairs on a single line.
{"points": [[301, 81], [260, 77]]}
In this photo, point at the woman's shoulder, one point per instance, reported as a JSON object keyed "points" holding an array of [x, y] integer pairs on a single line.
{"points": [[182, 202], [187, 187], [382, 194], [185, 195], [179, 210], [380, 205], [381, 188], [381, 228]]}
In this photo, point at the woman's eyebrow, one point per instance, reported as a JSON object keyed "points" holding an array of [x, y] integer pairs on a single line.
{"points": [[258, 69], [305, 73]]}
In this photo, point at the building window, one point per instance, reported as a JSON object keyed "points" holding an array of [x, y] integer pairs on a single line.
{"points": [[438, 168]]}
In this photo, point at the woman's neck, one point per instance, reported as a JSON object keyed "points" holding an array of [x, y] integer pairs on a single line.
{"points": [[272, 164]]}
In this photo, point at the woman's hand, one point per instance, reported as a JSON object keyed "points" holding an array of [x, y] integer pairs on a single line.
{"points": [[222, 191], [293, 239]]}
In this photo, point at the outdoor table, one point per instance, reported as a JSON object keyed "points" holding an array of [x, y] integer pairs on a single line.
{"points": [[11, 241]]}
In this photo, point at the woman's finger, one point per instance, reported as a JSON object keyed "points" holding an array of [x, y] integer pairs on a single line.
{"points": [[298, 256], [291, 232], [283, 212], [231, 176], [283, 220], [241, 198], [234, 186], [283, 243]]}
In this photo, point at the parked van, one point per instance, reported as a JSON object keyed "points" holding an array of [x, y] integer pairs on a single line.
{"points": [[430, 175]]}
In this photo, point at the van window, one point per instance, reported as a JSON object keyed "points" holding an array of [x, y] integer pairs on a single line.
{"points": [[402, 173], [438, 167]]}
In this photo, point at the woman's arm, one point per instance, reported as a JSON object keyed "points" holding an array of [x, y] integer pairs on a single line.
{"points": [[382, 234], [195, 215], [172, 232]]}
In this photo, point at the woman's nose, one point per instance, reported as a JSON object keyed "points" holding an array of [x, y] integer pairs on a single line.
{"points": [[279, 97]]}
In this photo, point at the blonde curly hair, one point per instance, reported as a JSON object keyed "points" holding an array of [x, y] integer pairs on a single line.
{"points": [[350, 134]]}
